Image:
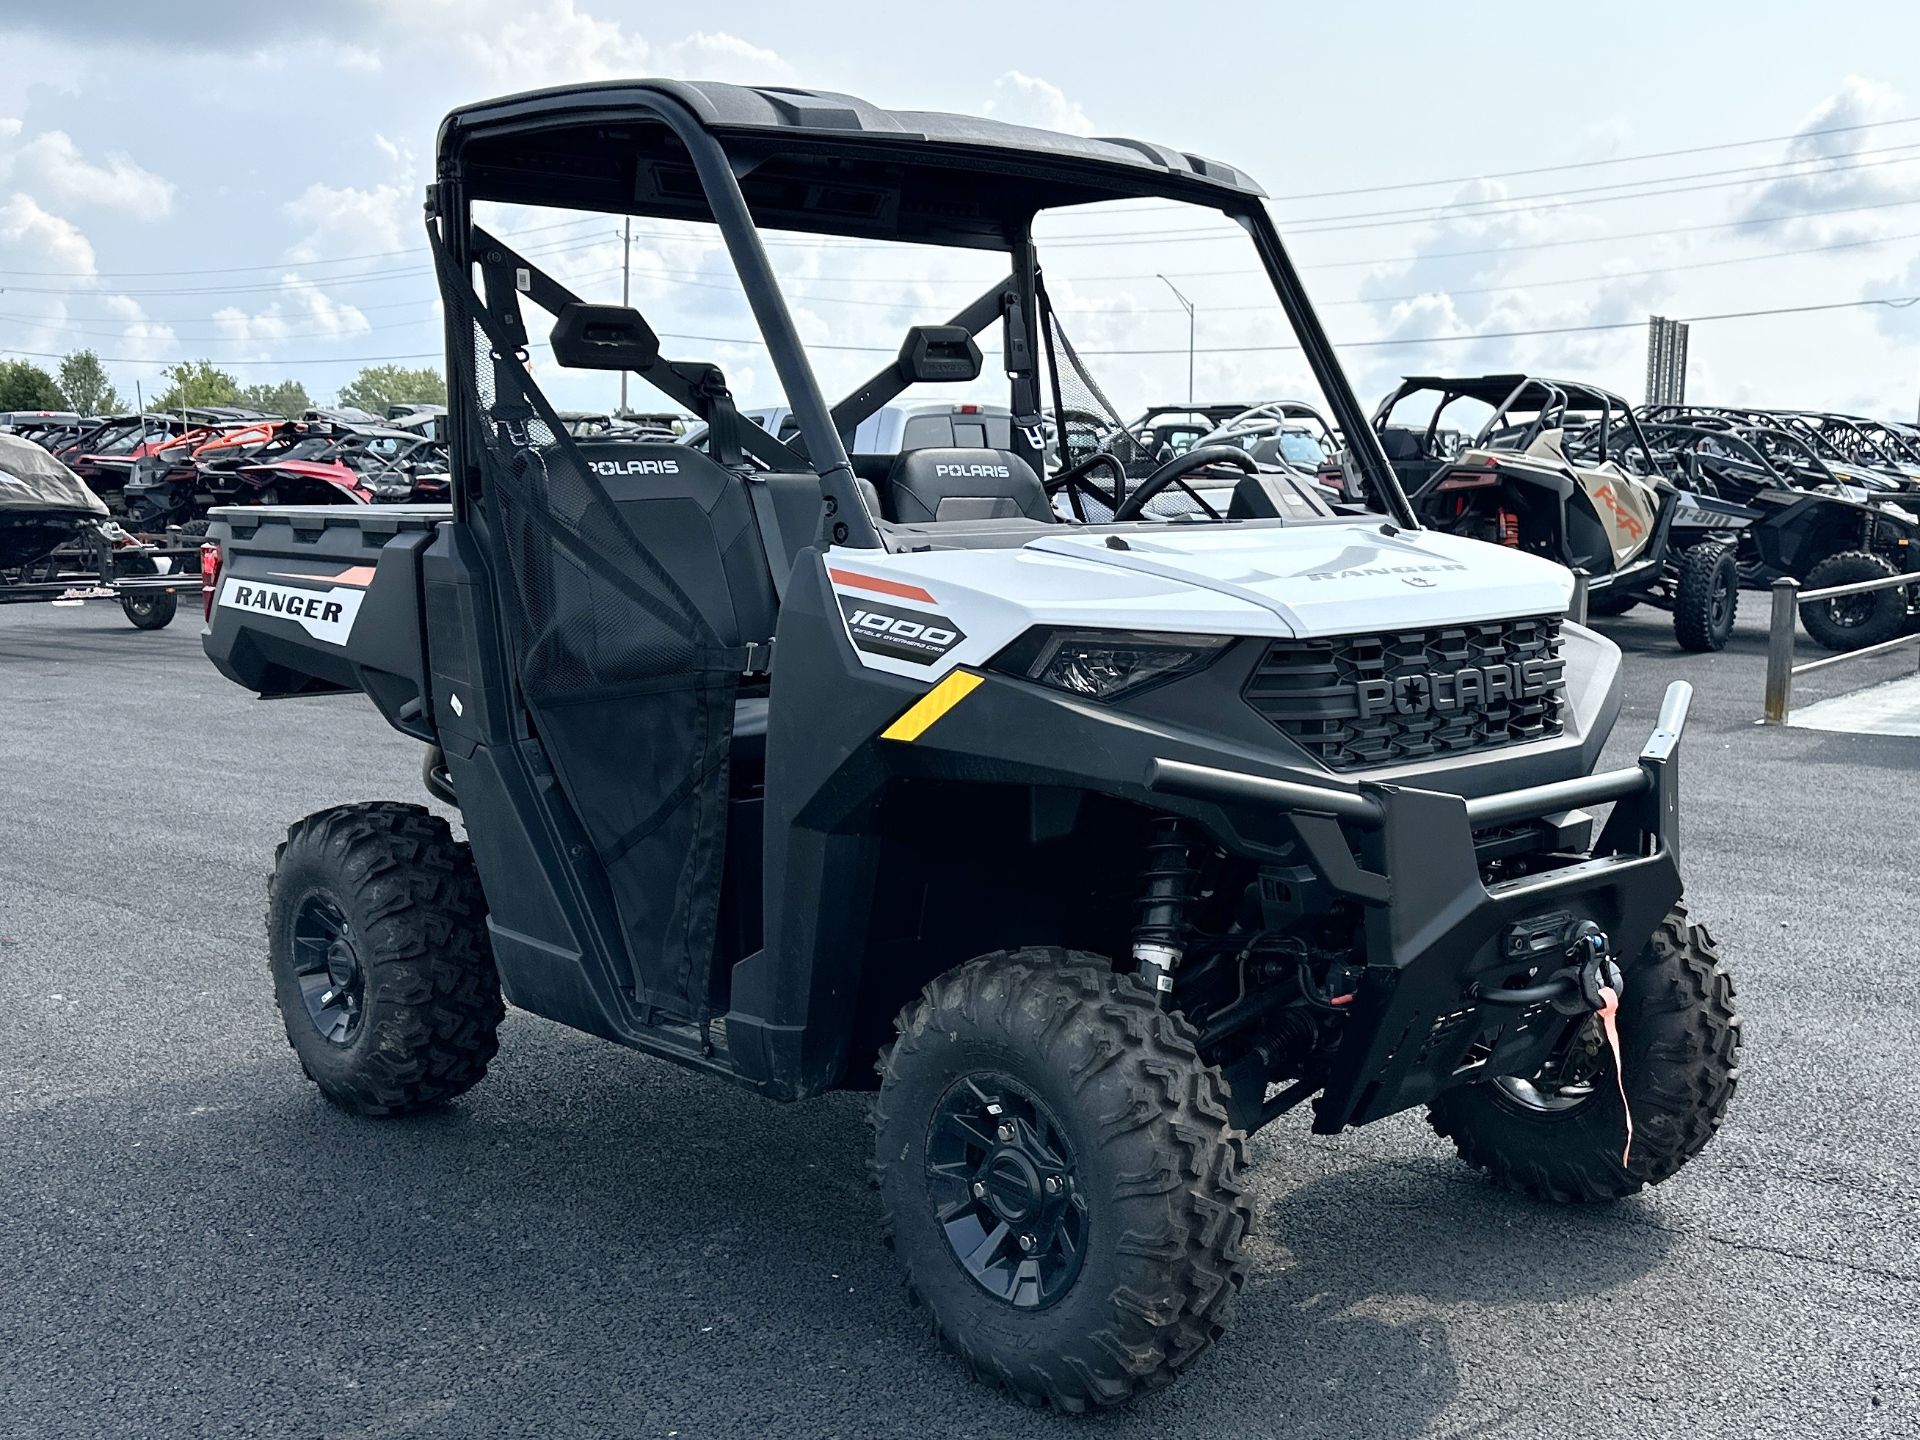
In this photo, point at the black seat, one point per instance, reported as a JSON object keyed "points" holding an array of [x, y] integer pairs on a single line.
{"points": [[936, 485], [694, 518], [1402, 443]]}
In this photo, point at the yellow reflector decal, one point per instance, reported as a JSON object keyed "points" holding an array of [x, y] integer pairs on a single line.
{"points": [[931, 706]]}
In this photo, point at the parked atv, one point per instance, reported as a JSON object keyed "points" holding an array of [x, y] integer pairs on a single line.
{"points": [[1560, 469], [1090, 848], [1789, 513]]}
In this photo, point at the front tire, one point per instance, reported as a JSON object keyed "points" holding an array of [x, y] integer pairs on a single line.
{"points": [[377, 943], [1680, 1039], [1058, 1178], [1706, 597], [1853, 622]]}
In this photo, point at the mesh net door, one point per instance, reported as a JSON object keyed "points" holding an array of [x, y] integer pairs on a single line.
{"points": [[630, 689]]}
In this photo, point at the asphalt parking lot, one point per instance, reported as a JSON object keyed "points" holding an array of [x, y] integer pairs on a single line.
{"points": [[593, 1243]]}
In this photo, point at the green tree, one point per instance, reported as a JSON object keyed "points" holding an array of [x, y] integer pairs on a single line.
{"points": [[84, 380], [25, 386], [196, 383], [379, 386], [288, 399]]}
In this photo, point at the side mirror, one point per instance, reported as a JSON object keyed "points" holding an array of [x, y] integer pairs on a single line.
{"points": [[604, 337], [939, 354]]}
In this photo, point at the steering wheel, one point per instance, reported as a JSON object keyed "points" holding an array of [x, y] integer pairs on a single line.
{"points": [[1196, 459]]}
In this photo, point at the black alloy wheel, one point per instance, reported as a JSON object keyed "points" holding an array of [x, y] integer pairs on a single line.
{"points": [[1001, 1177], [327, 964]]}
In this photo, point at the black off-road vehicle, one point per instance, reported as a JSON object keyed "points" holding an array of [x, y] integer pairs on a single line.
{"points": [[1090, 847]]}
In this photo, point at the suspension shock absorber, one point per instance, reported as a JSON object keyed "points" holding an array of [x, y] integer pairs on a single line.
{"points": [[1159, 936]]}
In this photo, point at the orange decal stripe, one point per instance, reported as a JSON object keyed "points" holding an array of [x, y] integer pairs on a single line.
{"points": [[883, 587], [361, 575]]}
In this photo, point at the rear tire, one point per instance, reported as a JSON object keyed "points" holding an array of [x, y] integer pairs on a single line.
{"points": [[377, 943], [1115, 1178], [1680, 1037], [1853, 622], [152, 611], [1706, 596]]}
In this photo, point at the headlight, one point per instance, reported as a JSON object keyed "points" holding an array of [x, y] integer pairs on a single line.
{"points": [[1106, 664], [390, 490]]}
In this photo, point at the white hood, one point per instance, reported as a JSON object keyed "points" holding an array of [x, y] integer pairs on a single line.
{"points": [[1341, 579], [1269, 580]]}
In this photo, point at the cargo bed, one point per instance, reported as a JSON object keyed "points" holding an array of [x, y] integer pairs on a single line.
{"points": [[325, 599]]}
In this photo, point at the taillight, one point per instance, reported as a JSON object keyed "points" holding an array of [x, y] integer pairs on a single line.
{"points": [[210, 558], [1471, 478]]}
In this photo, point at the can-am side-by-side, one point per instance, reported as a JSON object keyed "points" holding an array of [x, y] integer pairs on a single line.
{"points": [[1090, 848]]}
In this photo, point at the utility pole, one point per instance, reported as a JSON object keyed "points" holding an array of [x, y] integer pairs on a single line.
{"points": [[626, 282], [1186, 305]]}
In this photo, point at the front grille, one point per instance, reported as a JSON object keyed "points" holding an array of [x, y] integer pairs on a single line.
{"points": [[1358, 700]]}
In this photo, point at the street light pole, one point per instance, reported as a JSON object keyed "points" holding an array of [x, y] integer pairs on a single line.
{"points": [[1186, 305], [626, 279]]}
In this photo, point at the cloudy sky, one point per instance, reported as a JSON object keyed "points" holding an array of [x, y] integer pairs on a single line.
{"points": [[241, 181]]}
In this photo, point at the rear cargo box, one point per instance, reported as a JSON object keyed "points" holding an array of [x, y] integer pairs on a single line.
{"points": [[317, 600]]}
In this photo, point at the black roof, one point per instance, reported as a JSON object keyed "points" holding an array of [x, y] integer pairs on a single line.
{"points": [[823, 161]]}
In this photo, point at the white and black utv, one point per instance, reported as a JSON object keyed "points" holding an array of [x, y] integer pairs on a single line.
{"points": [[1560, 468], [1091, 847]]}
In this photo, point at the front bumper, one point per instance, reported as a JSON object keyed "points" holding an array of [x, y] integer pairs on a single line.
{"points": [[1438, 934]]}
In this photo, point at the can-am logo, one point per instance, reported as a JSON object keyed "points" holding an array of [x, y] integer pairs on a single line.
{"points": [[634, 467], [901, 634], [991, 472], [1473, 686], [324, 614]]}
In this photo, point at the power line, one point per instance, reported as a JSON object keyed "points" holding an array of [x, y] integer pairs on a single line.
{"points": [[268, 265], [1441, 210], [1747, 170], [1898, 302], [113, 330], [366, 277], [1595, 164], [1293, 227]]}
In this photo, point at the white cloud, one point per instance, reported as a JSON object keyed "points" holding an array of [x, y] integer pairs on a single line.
{"points": [[141, 338], [51, 166], [1900, 323], [717, 55], [1022, 99], [371, 219], [52, 242], [1868, 182], [304, 310]]}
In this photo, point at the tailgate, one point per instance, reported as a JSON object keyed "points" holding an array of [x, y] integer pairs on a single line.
{"points": [[316, 600]]}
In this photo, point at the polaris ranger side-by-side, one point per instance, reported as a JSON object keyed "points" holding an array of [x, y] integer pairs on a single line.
{"points": [[1091, 847]]}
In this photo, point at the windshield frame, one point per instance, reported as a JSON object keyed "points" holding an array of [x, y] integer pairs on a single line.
{"points": [[722, 137]]}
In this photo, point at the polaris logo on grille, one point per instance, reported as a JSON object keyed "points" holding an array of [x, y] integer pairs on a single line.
{"points": [[992, 472], [635, 467], [1475, 686]]}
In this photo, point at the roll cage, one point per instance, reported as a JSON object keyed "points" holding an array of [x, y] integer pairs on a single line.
{"points": [[1525, 407], [813, 162], [1829, 437]]}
